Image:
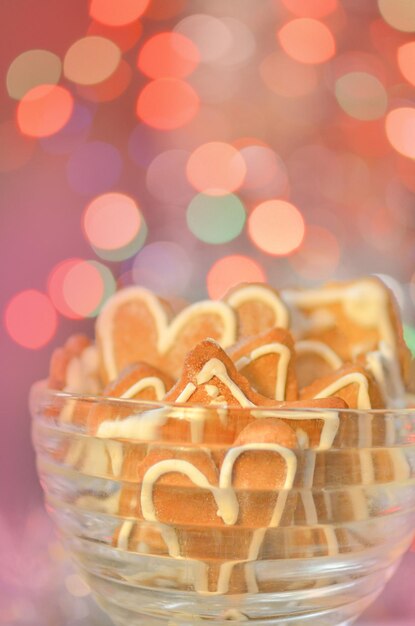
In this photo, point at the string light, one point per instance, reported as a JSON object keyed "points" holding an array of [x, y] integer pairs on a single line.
{"points": [[30, 319], [216, 219], [167, 103], [276, 227], [44, 110], [231, 270]]}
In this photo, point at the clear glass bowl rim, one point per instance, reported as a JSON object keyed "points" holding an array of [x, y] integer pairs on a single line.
{"points": [[40, 388]]}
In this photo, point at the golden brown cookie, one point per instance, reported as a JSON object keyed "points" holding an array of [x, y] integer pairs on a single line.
{"points": [[314, 359], [74, 367], [137, 382], [352, 318], [182, 491], [258, 308], [210, 378], [353, 383], [268, 362], [137, 326]]}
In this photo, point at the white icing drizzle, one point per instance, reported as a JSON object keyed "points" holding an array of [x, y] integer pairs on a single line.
{"points": [[216, 368], [302, 438], [225, 478], [367, 470], [329, 418], [256, 293], [363, 398], [365, 435], [331, 540], [116, 456], [225, 498], [212, 391], [321, 349], [144, 383], [384, 366], [187, 392], [124, 534], [143, 426], [282, 367], [166, 332]]}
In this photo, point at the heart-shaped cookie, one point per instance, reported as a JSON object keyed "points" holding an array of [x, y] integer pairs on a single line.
{"points": [[314, 359], [182, 490], [136, 382], [258, 308], [268, 362], [136, 326], [351, 317]]}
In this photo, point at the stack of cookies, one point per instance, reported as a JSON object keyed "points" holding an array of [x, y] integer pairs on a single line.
{"points": [[247, 405]]}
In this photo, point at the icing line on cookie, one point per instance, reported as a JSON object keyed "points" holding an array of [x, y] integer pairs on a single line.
{"points": [[144, 383], [258, 293], [363, 398], [166, 331], [307, 346]]}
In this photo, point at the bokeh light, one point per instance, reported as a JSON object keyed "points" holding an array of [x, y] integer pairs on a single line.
{"points": [[125, 37], [78, 288], [16, 149], [30, 69], [211, 36], [231, 270], [56, 281], [168, 54], [307, 8], [318, 256], [287, 77], [216, 168], [400, 130], [216, 219], [117, 13], [361, 96], [30, 319], [91, 60], [307, 41], [164, 267], [111, 88], [44, 110], [111, 221], [406, 61], [166, 177], [265, 171], [242, 43], [398, 13], [94, 167], [276, 227], [167, 103]]}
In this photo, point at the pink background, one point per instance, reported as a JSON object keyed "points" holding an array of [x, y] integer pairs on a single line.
{"points": [[345, 175]]}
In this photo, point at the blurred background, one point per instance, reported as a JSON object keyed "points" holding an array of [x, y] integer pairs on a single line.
{"points": [[186, 146]]}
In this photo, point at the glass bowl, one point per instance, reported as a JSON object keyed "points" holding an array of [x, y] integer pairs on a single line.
{"points": [[254, 532]]}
